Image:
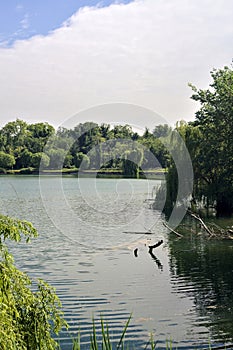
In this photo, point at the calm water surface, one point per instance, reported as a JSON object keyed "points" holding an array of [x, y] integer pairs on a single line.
{"points": [[88, 231]]}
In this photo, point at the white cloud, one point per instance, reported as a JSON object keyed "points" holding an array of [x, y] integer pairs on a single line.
{"points": [[142, 53], [25, 24]]}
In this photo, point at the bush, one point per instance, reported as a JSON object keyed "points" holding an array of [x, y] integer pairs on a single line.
{"points": [[7, 161], [28, 318]]}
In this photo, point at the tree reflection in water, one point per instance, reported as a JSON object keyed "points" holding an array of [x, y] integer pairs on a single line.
{"points": [[203, 270]]}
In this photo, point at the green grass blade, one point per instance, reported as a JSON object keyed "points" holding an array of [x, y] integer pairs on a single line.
{"points": [[108, 339], [94, 344], [124, 331], [104, 338], [77, 342]]}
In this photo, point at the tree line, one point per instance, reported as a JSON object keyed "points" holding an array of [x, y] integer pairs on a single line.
{"points": [[88, 145]]}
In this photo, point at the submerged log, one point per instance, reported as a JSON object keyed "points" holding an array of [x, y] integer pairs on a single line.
{"points": [[135, 252], [139, 233], [151, 247]]}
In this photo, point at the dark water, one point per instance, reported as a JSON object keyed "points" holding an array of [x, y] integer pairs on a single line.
{"points": [[184, 293]]}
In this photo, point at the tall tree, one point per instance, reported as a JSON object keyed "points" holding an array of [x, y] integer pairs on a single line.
{"points": [[212, 151]]}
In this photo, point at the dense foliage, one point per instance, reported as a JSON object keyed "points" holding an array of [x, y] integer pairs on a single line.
{"points": [[25, 146], [213, 147], [209, 141], [28, 316]]}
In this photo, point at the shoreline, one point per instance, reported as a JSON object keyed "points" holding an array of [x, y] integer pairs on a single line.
{"points": [[105, 173]]}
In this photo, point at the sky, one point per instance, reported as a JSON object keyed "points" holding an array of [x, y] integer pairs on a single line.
{"points": [[61, 58]]}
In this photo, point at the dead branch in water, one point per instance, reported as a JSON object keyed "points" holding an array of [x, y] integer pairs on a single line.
{"points": [[213, 229], [201, 222], [151, 247], [169, 228]]}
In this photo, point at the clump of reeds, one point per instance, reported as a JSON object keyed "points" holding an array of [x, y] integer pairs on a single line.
{"points": [[105, 342]]}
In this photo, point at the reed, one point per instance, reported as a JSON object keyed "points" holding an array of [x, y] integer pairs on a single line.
{"points": [[103, 340]]}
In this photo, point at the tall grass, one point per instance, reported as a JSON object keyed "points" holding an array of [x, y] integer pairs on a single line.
{"points": [[103, 340]]}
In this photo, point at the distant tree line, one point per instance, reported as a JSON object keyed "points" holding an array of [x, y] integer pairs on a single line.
{"points": [[89, 145]]}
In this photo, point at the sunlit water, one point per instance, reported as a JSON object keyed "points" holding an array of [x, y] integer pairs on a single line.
{"points": [[88, 232]]}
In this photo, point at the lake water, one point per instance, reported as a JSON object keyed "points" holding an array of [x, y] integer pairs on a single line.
{"points": [[88, 232]]}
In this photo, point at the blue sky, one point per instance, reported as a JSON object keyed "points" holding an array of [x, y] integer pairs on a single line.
{"points": [[57, 59], [25, 18]]}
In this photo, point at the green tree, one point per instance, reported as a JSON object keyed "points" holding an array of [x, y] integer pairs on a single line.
{"points": [[132, 161], [7, 161], [162, 130], [40, 159], [155, 153], [212, 152], [28, 318], [82, 160], [13, 134], [68, 161], [57, 158], [41, 130], [25, 159]]}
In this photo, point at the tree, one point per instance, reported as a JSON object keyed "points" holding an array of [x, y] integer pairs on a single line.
{"points": [[162, 130], [212, 151], [174, 196], [57, 158], [40, 160], [25, 159], [122, 131], [7, 161], [37, 136], [28, 319], [14, 134], [82, 160], [132, 161], [155, 153]]}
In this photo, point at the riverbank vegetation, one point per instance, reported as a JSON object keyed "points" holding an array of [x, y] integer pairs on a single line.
{"points": [[209, 142], [24, 148]]}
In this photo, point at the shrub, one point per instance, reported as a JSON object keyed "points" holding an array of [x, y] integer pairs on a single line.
{"points": [[28, 317]]}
